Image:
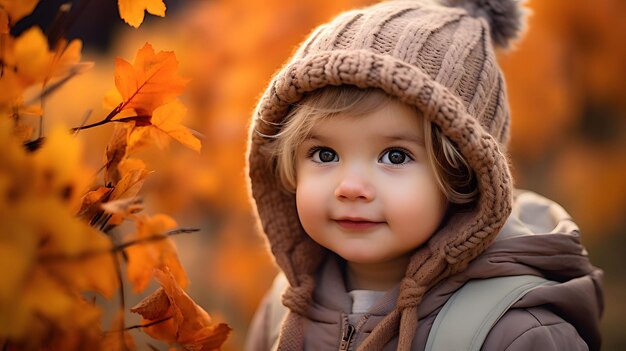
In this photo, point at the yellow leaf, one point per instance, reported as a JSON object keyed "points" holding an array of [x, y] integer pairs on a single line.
{"points": [[144, 257], [32, 57], [59, 168], [17, 9], [132, 11], [168, 118], [74, 252], [11, 89], [18, 243], [165, 124], [66, 59], [44, 304], [151, 81]]}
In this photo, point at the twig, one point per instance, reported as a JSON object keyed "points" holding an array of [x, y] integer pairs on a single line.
{"points": [[142, 119], [149, 324], [120, 279], [156, 237], [117, 248], [138, 326], [85, 119], [59, 25], [77, 69]]}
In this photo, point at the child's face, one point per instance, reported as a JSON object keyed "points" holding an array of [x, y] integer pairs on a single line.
{"points": [[365, 189]]}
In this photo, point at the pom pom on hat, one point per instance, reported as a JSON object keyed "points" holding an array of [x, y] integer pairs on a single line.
{"points": [[506, 17]]}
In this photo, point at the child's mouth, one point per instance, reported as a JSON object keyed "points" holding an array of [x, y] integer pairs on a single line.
{"points": [[357, 225]]}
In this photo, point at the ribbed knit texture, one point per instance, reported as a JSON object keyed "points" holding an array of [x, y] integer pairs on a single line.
{"points": [[437, 58]]}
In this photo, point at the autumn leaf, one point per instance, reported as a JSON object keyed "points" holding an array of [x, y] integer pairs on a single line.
{"points": [[43, 300], [92, 202], [132, 11], [17, 9], [144, 257], [32, 57], [18, 252], [66, 59], [52, 254], [11, 89], [59, 168], [151, 81], [133, 174], [189, 325], [74, 252], [155, 306], [165, 124]]}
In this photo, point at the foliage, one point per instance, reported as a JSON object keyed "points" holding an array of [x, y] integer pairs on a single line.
{"points": [[60, 221]]}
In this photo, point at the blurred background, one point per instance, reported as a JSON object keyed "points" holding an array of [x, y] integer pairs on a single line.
{"points": [[567, 88]]}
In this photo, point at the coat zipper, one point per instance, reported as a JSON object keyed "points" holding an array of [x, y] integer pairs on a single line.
{"points": [[348, 333]]}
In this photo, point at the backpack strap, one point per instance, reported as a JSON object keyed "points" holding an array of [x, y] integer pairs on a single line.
{"points": [[469, 314], [277, 311]]}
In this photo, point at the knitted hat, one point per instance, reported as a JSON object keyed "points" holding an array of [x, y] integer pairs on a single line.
{"points": [[438, 57]]}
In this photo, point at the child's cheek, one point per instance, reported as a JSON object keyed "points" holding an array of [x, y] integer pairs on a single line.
{"points": [[311, 202]]}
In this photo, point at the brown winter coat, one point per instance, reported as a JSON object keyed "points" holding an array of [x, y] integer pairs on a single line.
{"points": [[539, 238]]}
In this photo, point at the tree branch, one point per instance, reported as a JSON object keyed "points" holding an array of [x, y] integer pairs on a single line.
{"points": [[90, 253], [141, 119], [138, 326]]}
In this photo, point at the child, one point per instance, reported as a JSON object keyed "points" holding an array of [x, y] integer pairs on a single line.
{"points": [[377, 162]]}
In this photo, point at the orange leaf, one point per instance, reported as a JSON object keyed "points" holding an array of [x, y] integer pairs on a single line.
{"points": [[133, 175], [132, 11], [17, 9], [151, 81], [145, 256], [165, 124], [153, 307], [190, 325]]}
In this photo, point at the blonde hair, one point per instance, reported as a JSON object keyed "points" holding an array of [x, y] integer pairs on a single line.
{"points": [[455, 178]]}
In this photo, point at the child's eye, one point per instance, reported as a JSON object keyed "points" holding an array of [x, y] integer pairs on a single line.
{"points": [[395, 157], [323, 155]]}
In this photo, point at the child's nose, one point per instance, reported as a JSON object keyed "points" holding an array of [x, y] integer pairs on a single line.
{"points": [[355, 186]]}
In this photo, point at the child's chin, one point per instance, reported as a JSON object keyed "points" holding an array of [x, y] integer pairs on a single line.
{"points": [[361, 257]]}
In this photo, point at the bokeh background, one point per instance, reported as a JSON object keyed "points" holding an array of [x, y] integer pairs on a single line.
{"points": [[567, 88]]}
